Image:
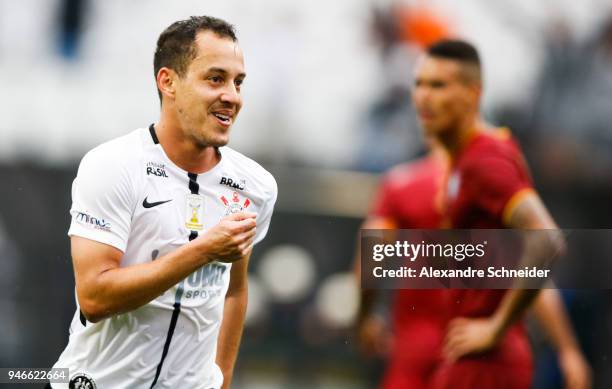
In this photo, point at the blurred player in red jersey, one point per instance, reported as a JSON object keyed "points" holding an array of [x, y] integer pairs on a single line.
{"points": [[488, 186], [411, 196], [485, 352]]}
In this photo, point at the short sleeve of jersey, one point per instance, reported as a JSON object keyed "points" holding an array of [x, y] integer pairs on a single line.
{"points": [[382, 206], [102, 198], [493, 180], [265, 214]]}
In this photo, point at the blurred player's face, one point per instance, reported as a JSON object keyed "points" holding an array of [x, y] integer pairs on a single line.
{"points": [[207, 96], [443, 99]]}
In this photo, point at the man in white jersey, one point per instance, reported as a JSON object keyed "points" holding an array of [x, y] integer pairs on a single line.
{"points": [[163, 223]]}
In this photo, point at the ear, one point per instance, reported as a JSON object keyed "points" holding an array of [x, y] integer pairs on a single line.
{"points": [[166, 82], [476, 92]]}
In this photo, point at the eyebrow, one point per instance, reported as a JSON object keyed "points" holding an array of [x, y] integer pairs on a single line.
{"points": [[224, 72]]}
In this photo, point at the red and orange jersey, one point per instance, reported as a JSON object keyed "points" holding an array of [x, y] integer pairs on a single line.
{"points": [[410, 194], [487, 178], [410, 198]]}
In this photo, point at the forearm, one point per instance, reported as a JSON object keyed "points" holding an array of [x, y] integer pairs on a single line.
{"points": [[369, 298], [513, 305], [552, 318], [231, 333], [122, 289], [540, 248]]}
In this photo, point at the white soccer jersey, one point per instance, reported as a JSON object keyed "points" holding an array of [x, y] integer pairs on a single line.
{"points": [[128, 194]]}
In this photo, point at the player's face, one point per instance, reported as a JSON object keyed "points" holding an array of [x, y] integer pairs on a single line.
{"points": [[441, 96], [208, 96]]}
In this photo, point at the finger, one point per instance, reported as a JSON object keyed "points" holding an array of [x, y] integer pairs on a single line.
{"points": [[449, 352], [455, 330], [449, 344], [455, 342], [244, 225], [247, 246], [456, 349], [241, 216], [455, 353], [458, 322], [245, 236]]}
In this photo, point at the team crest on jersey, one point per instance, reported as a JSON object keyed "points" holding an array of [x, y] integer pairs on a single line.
{"points": [[194, 212], [235, 204], [81, 381]]}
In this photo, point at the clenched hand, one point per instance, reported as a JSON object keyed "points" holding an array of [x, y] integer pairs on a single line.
{"points": [[231, 239]]}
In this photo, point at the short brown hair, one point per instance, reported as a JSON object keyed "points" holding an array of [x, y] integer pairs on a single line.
{"points": [[175, 46]]}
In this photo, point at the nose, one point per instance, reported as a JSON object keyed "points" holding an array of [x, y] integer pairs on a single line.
{"points": [[231, 95], [420, 95]]}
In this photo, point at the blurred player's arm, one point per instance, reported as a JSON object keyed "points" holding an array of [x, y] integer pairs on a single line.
{"points": [[104, 288], [232, 324], [552, 317], [524, 211], [372, 328]]}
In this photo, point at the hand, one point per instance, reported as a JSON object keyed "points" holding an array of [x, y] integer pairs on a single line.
{"points": [[575, 369], [470, 336], [373, 336], [231, 239]]}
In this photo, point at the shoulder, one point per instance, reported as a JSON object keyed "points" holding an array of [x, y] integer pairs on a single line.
{"points": [[494, 158], [495, 143], [114, 163], [412, 173], [120, 153], [255, 175]]}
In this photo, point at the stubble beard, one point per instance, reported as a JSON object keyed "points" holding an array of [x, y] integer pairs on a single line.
{"points": [[203, 139]]}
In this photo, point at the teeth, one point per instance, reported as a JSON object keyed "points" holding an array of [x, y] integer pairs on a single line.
{"points": [[222, 117]]}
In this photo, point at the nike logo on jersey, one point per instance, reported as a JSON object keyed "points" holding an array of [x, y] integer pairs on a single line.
{"points": [[147, 204]]}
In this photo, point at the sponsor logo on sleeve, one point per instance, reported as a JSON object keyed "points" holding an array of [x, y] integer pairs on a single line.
{"points": [[92, 221]]}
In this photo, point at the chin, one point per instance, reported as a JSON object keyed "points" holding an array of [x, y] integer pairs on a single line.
{"points": [[220, 143], [215, 140], [219, 140], [435, 130], [429, 131]]}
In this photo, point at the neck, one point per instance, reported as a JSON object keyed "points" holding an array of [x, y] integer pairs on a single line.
{"points": [[455, 140], [183, 150]]}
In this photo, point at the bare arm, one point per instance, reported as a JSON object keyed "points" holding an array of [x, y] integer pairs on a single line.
{"points": [[373, 334], [233, 320], [552, 317], [105, 289], [468, 336], [530, 213]]}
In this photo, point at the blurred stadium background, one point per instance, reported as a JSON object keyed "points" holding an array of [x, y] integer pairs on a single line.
{"points": [[326, 110]]}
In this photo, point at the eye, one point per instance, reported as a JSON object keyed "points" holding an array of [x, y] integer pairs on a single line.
{"points": [[238, 82], [216, 79]]}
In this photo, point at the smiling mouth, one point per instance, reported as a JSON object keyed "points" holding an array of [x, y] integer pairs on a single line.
{"points": [[226, 120]]}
